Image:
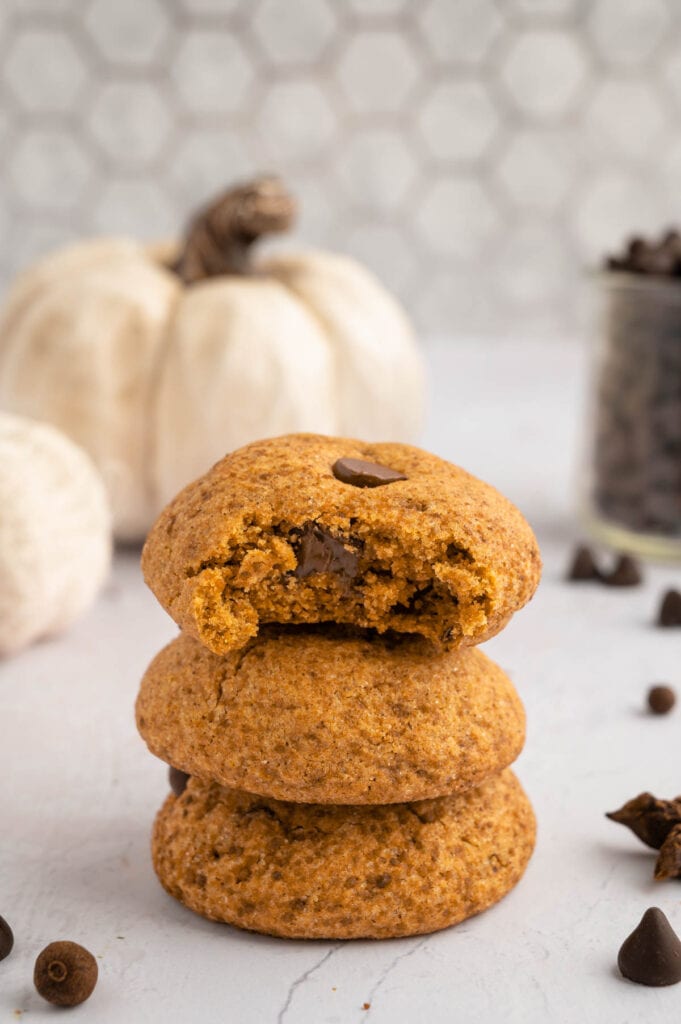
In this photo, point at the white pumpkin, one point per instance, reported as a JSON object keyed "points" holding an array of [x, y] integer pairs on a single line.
{"points": [[158, 360], [55, 532]]}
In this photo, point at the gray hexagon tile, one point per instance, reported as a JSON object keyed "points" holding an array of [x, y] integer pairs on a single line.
{"points": [[535, 170], [460, 32], [377, 71], [50, 170], [44, 70], [625, 117], [205, 162], [41, 237], [210, 7], [543, 71], [458, 120], [545, 9], [298, 40], [128, 32], [136, 208], [376, 168], [457, 216], [318, 212], [530, 268], [384, 246], [379, 8], [612, 205], [212, 72], [475, 153], [627, 32], [130, 121], [296, 122]]}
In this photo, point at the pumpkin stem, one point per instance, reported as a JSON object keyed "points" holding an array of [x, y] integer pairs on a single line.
{"points": [[219, 238]]}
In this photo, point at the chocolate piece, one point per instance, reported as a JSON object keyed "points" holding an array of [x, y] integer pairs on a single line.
{"points": [[583, 566], [668, 863], [670, 609], [178, 780], [6, 939], [364, 474], [650, 819], [661, 699], [65, 973], [317, 551], [626, 573], [652, 953]]}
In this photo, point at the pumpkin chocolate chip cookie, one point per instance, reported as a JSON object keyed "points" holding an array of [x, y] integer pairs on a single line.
{"points": [[308, 529], [307, 716], [316, 871]]}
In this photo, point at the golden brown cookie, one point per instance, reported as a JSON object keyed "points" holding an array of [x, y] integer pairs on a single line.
{"points": [[316, 718], [318, 872], [292, 529]]}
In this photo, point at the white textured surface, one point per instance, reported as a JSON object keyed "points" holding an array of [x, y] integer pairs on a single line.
{"points": [[79, 790]]}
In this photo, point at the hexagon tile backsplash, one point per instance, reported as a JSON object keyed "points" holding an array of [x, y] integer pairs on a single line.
{"points": [[478, 154]]}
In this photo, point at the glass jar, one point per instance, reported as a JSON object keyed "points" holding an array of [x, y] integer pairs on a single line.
{"points": [[633, 480]]}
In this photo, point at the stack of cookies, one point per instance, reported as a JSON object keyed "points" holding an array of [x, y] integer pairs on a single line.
{"points": [[346, 745]]}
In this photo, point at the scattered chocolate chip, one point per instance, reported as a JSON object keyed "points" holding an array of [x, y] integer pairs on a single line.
{"points": [[6, 939], [317, 551], [65, 973], [364, 474], [670, 609], [178, 780], [661, 699], [669, 861], [650, 819], [626, 573], [583, 566], [652, 953]]}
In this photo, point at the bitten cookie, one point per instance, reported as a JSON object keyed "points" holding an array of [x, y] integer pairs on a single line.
{"points": [[317, 718], [306, 529], [315, 871]]}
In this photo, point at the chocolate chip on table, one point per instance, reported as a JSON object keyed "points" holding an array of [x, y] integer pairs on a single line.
{"points": [[178, 780], [317, 551], [670, 609], [650, 819], [65, 973], [583, 566], [364, 474], [669, 860], [661, 699], [625, 573], [651, 955], [6, 939]]}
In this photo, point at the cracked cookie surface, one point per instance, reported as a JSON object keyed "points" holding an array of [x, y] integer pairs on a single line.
{"points": [[271, 535], [316, 871], [307, 716]]}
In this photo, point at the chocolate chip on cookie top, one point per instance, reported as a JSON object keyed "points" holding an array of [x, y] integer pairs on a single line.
{"points": [[360, 473]]}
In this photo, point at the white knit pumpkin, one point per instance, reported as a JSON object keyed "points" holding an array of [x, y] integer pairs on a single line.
{"points": [[157, 372], [55, 532]]}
